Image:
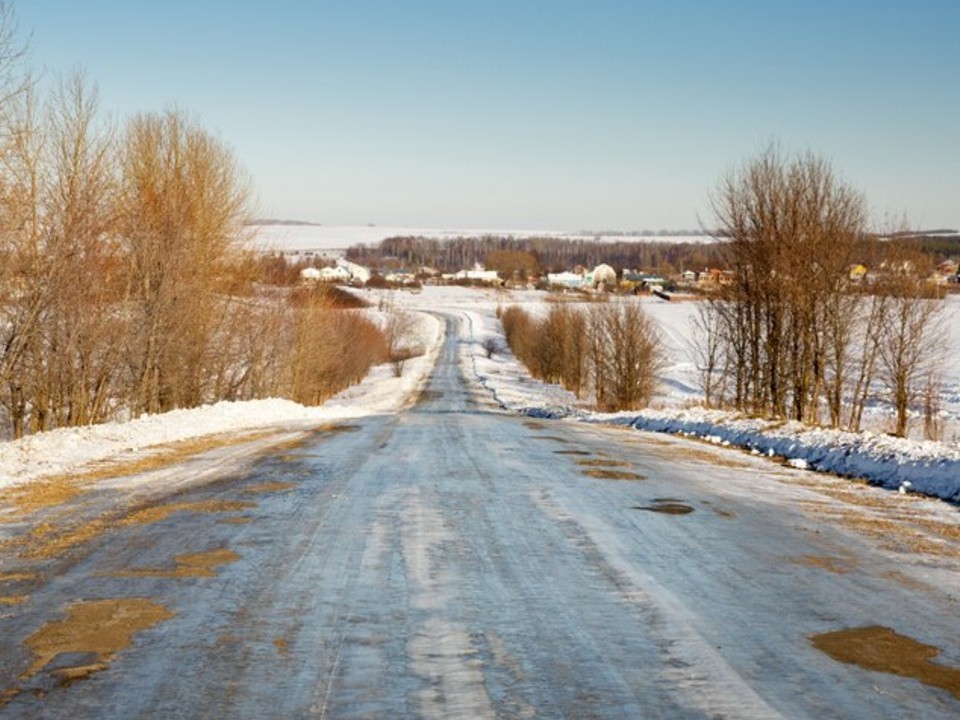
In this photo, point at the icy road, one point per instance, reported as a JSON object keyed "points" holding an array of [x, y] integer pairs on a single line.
{"points": [[456, 561]]}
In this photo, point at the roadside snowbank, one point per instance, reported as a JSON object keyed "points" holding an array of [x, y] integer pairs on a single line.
{"points": [[63, 450], [926, 467]]}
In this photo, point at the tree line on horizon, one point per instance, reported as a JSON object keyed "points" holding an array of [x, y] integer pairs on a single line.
{"points": [[536, 256]]}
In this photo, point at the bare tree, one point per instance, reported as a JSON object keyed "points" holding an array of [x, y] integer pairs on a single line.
{"points": [[792, 228], [401, 338], [911, 347], [184, 204]]}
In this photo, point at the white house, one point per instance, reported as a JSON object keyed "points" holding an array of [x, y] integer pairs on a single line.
{"points": [[358, 273], [565, 279], [602, 273]]}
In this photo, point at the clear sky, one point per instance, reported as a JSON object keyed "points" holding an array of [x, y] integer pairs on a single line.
{"points": [[552, 114]]}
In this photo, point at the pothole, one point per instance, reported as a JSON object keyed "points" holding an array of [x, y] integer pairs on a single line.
{"points": [[100, 628], [188, 565], [667, 506], [571, 452], [882, 649]]}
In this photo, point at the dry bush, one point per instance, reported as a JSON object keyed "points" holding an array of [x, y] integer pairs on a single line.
{"points": [[625, 373], [329, 350], [611, 348]]}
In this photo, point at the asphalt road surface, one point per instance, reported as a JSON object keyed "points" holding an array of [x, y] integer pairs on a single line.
{"points": [[457, 561]]}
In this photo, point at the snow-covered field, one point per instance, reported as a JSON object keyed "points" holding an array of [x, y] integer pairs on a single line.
{"points": [[908, 465], [932, 468]]}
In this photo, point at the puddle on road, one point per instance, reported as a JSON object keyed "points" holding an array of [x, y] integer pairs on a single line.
{"points": [[189, 565], [667, 506], [570, 452], [100, 628], [603, 474], [883, 650], [244, 520], [269, 487], [603, 463], [830, 563]]}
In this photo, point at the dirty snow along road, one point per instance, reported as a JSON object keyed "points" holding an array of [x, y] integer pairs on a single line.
{"points": [[456, 561]]}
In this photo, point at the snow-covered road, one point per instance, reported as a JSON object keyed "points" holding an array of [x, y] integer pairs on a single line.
{"points": [[455, 561]]}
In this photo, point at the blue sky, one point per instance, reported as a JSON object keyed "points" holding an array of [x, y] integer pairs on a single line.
{"points": [[610, 114]]}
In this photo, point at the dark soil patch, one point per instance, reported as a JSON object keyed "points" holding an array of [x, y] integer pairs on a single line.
{"points": [[667, 506], [604, 474], [603, 463]]}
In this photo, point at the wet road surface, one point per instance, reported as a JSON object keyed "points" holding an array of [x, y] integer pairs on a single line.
{"points": [[456, 561]]}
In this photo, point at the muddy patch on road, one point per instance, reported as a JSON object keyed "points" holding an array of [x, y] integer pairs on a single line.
{"points": [[49, 540], [337, 429], [269, 487], [830, 563], [158, 513], [57, 490], [605, 474], [666, 506], [600, 463], [881, 649], [188, 565], [97, 628]]}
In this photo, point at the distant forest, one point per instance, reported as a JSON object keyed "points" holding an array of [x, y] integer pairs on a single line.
{"points": [[550, 254]]}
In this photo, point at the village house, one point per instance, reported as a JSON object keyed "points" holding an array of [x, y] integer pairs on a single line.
{"points": [[343, 272], [634, 281]]}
